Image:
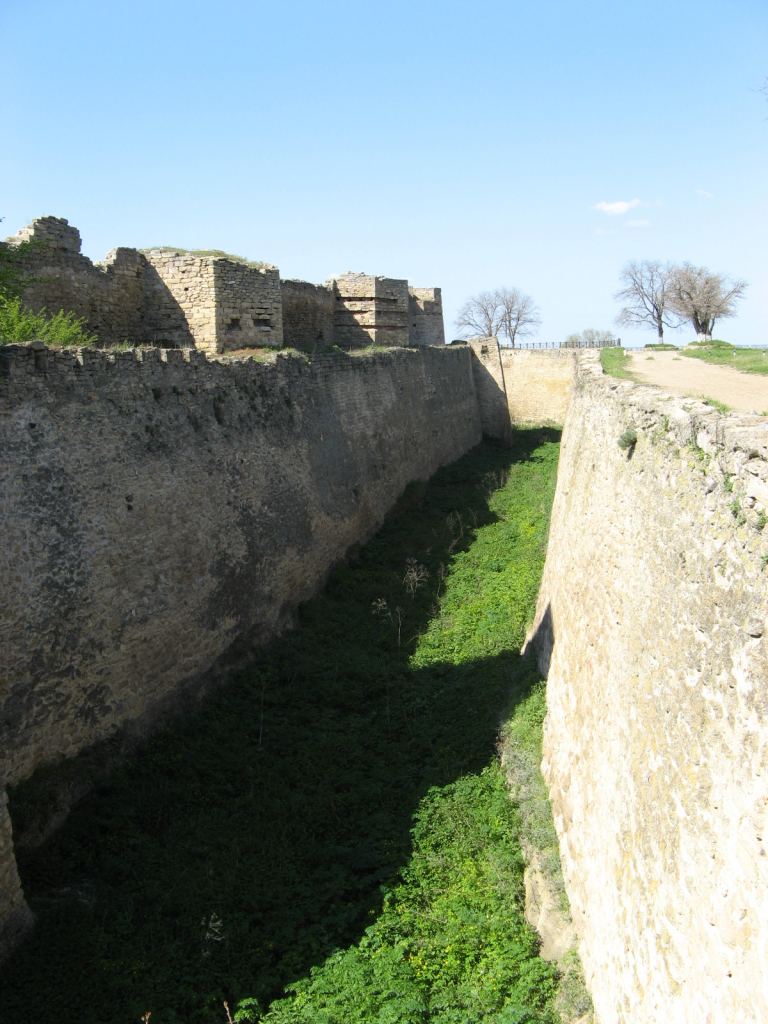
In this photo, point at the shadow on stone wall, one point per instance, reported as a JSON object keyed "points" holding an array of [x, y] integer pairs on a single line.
{"points": [[163, 322], [542, 642], [488, 375], [122, 300]]}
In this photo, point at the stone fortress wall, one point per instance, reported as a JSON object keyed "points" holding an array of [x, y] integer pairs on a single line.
{"points": [[652, 625], [163, 510], [168, 508], [179, 299]]}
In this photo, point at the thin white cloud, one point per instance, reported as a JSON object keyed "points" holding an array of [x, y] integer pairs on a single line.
{"points": [[603, 231], [704, 194], [642, 222], [618, 207]]}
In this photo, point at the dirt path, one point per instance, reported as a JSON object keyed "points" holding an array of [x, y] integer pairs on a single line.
{"points": [[745, 392]]}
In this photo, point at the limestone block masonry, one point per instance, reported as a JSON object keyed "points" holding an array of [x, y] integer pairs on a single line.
{"points": [[652, 624], [212, 303], [371, 310], [161, 508], [308, 311], [426, 313], [539, 384], [108, 295]]}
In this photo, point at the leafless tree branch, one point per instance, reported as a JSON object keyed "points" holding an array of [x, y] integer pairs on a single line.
{"points": [[646, 296], [505, 312], [698, 295]]}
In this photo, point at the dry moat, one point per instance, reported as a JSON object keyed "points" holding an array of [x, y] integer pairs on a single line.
{"points": [[336, 819]]}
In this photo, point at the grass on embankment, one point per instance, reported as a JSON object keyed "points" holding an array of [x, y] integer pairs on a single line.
{"points": [[615, 362], [720, 353], [336, 819]]}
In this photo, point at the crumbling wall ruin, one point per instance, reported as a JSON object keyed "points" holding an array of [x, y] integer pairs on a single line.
{"points": [[107, 295], [183, 299], [179, 300]]}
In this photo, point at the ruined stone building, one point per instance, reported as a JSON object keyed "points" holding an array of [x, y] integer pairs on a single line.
{"points": [[218, 303]]}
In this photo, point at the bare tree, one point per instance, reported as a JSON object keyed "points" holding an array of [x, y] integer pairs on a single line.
{"points": [[646, 296], [520, 315], [698, 295], [507, 312], [481, 315]]}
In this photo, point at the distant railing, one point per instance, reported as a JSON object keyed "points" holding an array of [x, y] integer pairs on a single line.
{"points": [[613, 343]]}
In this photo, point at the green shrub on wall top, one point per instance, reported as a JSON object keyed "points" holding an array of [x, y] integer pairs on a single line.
{"points": [[19, 324]]}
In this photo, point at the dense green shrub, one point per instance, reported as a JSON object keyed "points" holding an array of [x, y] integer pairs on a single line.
{"points": [[19, 324]]}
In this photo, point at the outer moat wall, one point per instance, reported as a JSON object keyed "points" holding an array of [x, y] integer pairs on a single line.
{"points": [[166, 509], [652, 624]]}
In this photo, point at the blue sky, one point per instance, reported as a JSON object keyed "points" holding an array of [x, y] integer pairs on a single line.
{"points": [[460, 145]]}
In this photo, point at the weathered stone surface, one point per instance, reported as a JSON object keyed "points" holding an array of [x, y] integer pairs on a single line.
{"points": [[53, 232], [522, 386], [370, 310], [108, 295], [491, 388], [656, 742], [213, 303], [160, 507], [426, 316], [539, 384], [15, 916], [307, 315]]}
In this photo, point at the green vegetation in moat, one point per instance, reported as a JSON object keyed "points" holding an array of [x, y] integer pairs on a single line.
{"points": [[615, 362], [721, 353], [335, 820]]}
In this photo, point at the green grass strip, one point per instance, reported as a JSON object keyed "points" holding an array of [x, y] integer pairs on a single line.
{"points": [[748, 360], [615, 362]]}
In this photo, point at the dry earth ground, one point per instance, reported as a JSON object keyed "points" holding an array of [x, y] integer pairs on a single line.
{"points": [[744, 392]]}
